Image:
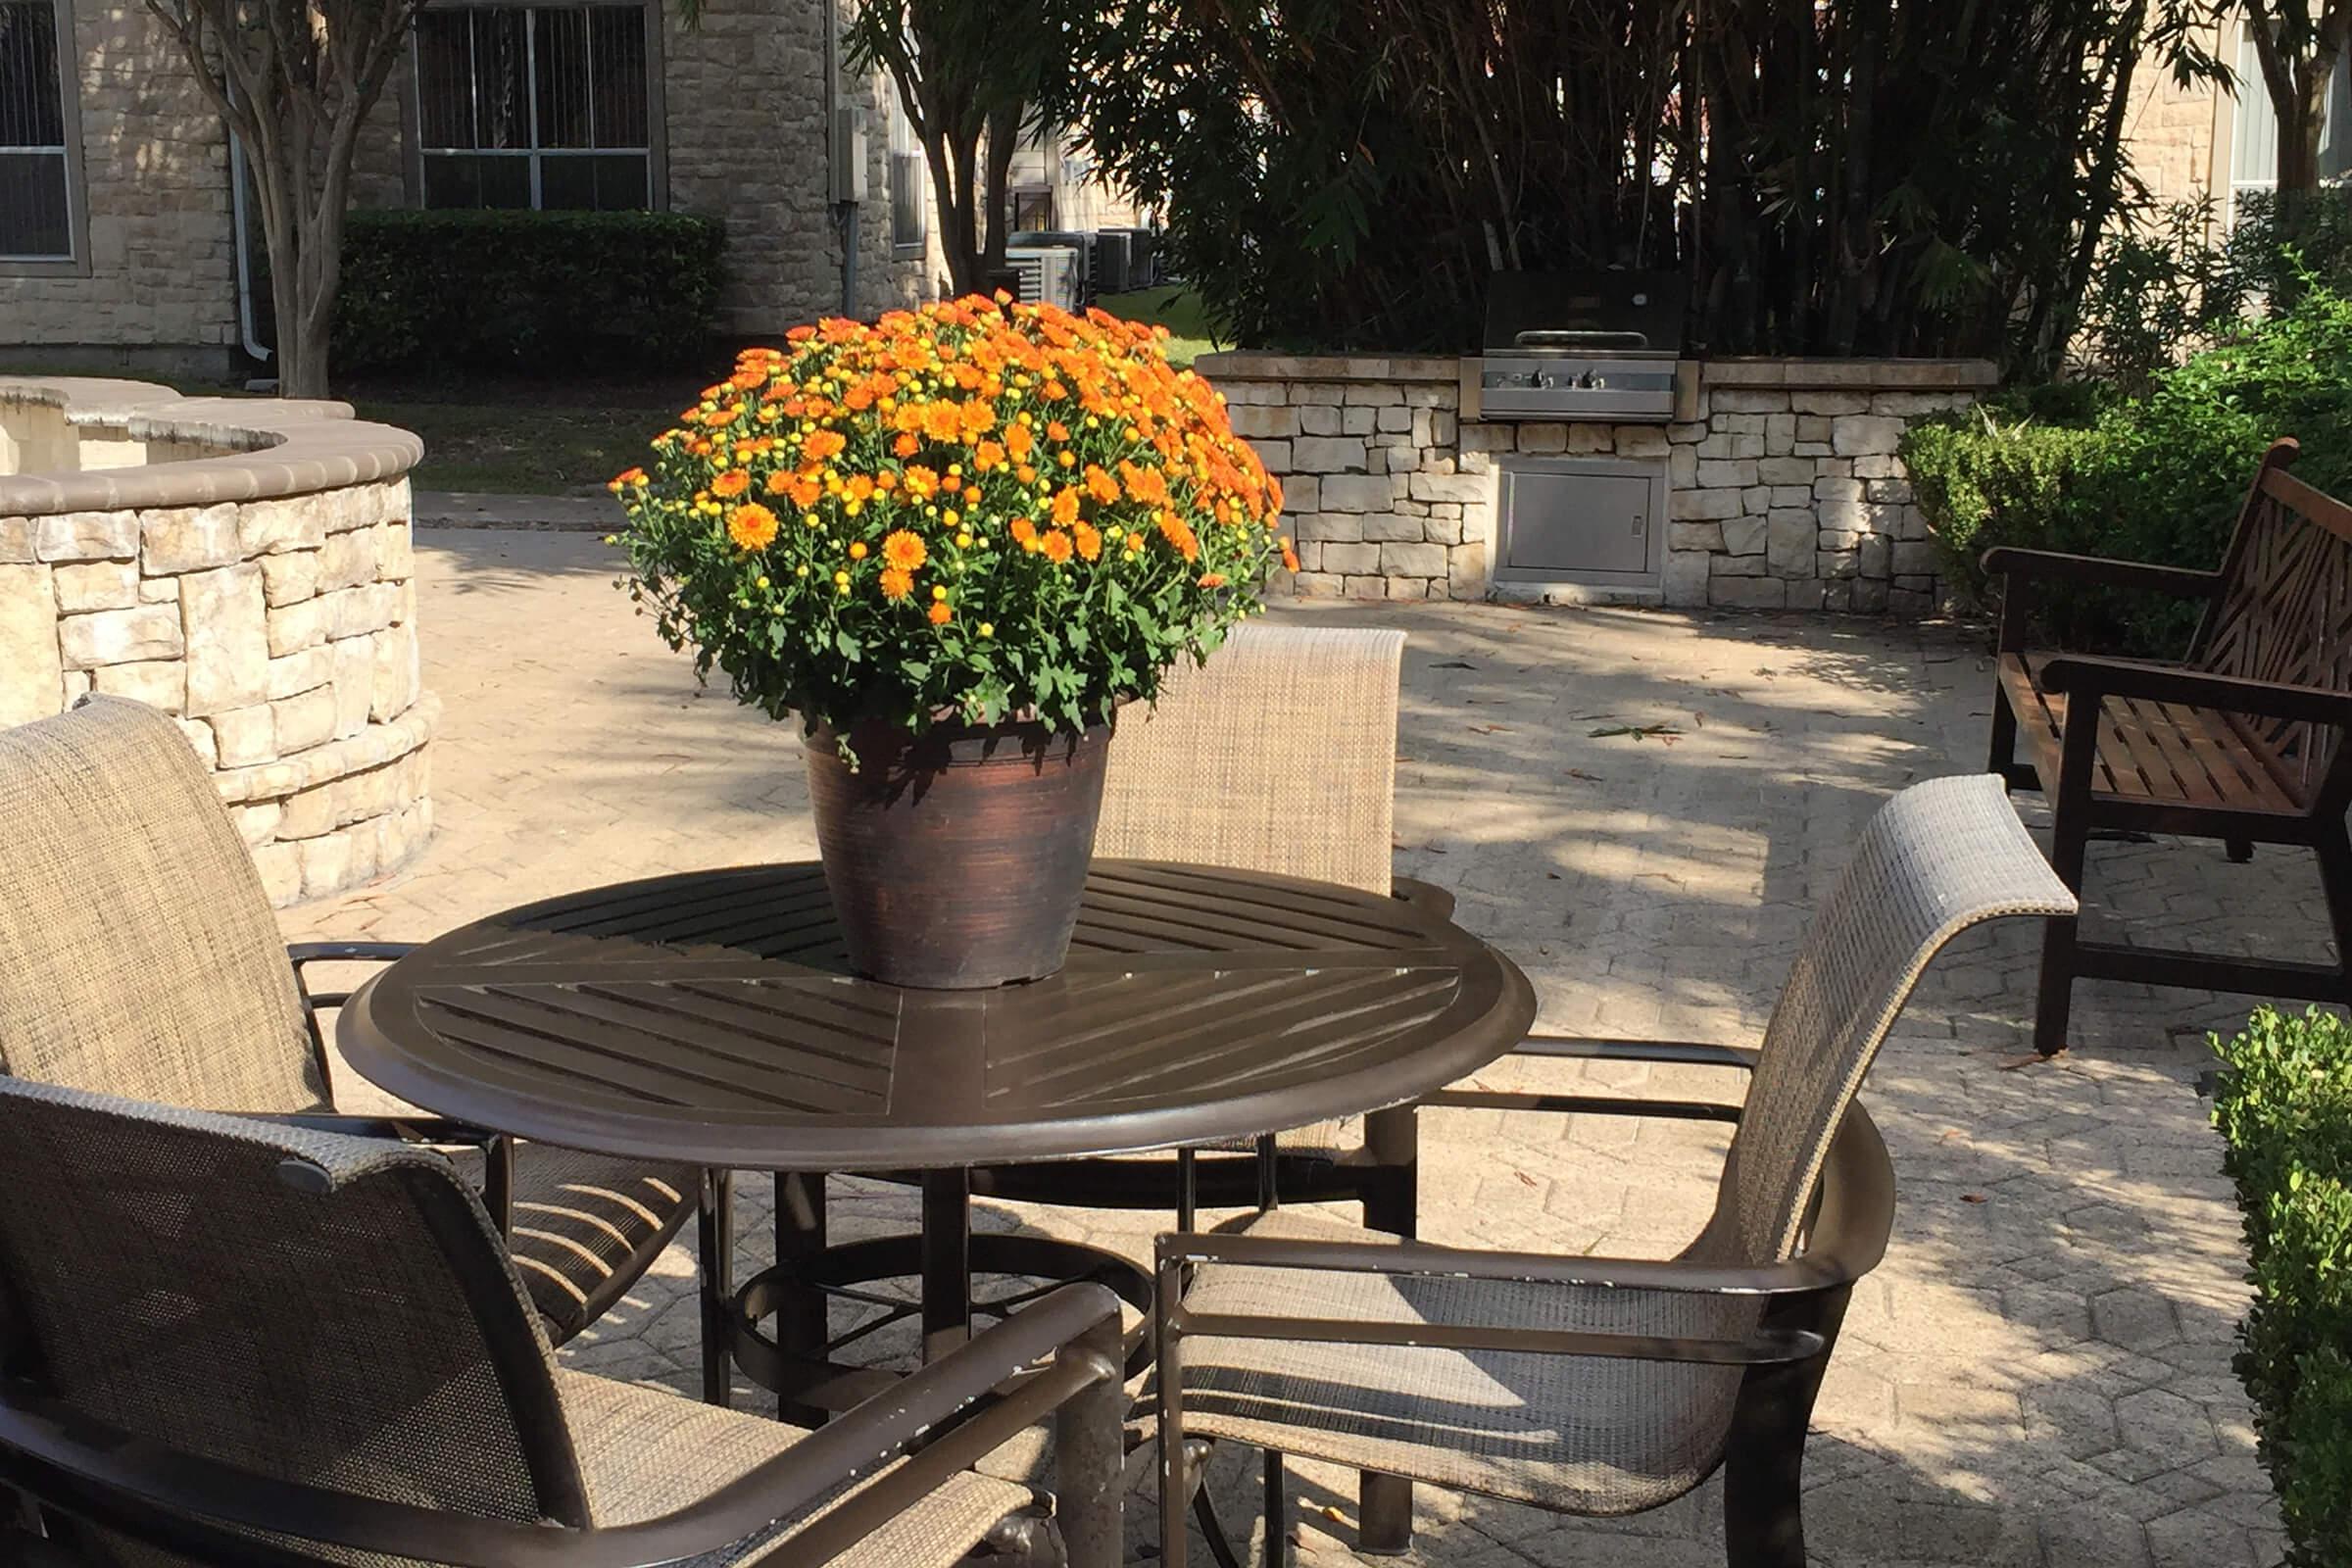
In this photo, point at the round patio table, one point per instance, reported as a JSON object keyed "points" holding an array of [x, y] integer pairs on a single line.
{"points": [[711, 1019]]}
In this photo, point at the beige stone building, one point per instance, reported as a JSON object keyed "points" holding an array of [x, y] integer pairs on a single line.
{"points": [[119, 218]]}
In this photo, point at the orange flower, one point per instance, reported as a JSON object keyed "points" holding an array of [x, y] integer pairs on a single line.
{"points": [[904, 550], [751, 527], [823, 444], [1089, 540], [1148, 485], [1018, 441], [747, 378], [921, 482], [1101, 486], [1056, 546], [1289, 557], [940, 613], [1176, 531], [1066, 506], [1058, 430], [1024, 532], [733, 482], [906, 445], [896, 583], [1212, 579], [859, 488], [942, 421], [1054, 393], [987, 455], [626, 477]]}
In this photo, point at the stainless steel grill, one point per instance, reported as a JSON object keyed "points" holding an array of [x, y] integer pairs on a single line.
{"points": [[1603, 346]]}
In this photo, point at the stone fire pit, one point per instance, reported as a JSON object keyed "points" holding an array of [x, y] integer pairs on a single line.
{"points": [[243, 564]]}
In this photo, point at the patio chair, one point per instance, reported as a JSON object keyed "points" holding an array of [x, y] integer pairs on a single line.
{"points": [[232, 1342], [1280, 755], [1602, 1386], [139, 956]]}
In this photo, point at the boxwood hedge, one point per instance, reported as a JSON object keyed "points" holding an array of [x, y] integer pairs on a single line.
{"points": [[2283, 1105], [507, 291]]}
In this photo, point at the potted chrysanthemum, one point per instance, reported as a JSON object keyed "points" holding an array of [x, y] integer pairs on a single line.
{"points": [[954, 542]]}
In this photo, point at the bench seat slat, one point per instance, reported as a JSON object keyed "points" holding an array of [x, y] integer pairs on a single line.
{"points": [[2148, 750]]}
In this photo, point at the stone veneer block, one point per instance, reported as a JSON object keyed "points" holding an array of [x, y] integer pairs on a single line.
{"points": [[177, 539], [160, 684], [229, 639], [88, 536], [31, 677], [88, 586], [119, 636], [15, 542]]}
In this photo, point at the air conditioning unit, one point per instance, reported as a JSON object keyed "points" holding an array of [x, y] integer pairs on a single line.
{"points": [[1048, 275]]}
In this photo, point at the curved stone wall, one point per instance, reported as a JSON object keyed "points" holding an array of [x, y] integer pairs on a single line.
{"points": [[245, 566]]}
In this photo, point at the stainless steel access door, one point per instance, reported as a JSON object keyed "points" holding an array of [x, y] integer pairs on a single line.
{"points": [[1600, 522]]}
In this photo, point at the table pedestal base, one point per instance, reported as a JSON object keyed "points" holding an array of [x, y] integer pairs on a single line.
{"points": [[806, 1374]]}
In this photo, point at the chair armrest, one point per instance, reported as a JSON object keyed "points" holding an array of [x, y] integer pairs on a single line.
{"points": [[1848, 1239], [2008, 561], [2085, 675], [299, 953], [404, 1129], [1683, 1053], [302, 953], [149, 1488], [1569, 1047]]}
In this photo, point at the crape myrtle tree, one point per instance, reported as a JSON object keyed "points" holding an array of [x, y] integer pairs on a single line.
{"points": [[969, 76], [1834, 176], [295, 81], [2297, 45]]}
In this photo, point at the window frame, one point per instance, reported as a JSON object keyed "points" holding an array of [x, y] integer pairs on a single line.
{"points": [[77, 206], [656, 150]]}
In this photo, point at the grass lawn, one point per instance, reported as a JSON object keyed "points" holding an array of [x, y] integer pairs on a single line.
{"points": [[1174, 307], [527, 438]]}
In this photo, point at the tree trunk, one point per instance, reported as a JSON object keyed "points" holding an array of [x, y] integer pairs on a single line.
{"points": [[2301, 117]]}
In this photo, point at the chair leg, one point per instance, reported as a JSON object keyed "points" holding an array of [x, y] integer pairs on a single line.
{"points": [[1764, 1456], [1278, 1522], [2334, 846], [2003, 749], [2055, 1002], [1213, 1529], [2239, 850]]}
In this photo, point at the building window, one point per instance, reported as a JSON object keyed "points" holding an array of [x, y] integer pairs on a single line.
{"points": [[2254, 127], [908, 229], [36, 205], [540, 106]]}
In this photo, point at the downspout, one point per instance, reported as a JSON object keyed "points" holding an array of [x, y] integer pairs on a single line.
{"points": [[845, 212], [246, 334]]}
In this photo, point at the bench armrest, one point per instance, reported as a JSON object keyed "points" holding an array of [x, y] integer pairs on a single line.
{"points": [[2007, 560], [2088, 676]]}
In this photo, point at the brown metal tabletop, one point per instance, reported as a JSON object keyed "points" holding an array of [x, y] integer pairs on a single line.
{"points": [[711, 1019]]}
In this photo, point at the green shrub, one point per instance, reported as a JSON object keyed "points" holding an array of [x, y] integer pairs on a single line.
{"points": [[510, 290], [2284, 1106], [2158, 476]]}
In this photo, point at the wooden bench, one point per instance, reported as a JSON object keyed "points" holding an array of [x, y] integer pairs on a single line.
{"points": [[2241, 741]]}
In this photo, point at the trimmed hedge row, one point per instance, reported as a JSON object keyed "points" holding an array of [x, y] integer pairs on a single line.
{"points": [[510, 290], [2284, 1106], [2156, 476]]}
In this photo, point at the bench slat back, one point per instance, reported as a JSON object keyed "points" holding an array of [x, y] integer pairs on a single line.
{"points": [[2284, 613]]}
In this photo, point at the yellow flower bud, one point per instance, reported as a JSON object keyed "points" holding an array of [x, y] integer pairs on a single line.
{"points": [[987, 628], [951, 516], [800, 571], [963, 541], [842, 579], [937, 592], [760, 583], [858, 550]]}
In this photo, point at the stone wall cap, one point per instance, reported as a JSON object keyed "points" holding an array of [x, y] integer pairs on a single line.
{"points": [[1250, 365], [280, 448], [1882, 375]]}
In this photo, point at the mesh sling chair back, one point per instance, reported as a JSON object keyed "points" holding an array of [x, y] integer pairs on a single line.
{"points": [[139, 956], [232, 1342], [1600, 1386], [1279, 755]]}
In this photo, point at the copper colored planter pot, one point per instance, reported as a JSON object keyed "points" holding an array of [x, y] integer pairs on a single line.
{"points": [[956, 857]]}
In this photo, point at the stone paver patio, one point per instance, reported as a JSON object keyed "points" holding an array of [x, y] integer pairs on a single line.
{"points": [[2039, 1374]]}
